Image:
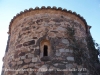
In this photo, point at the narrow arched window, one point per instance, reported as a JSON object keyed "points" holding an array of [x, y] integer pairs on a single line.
{"points": [[45, 50]]}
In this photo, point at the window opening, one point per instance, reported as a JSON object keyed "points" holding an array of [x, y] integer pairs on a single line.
{"points": [[45, 50]]}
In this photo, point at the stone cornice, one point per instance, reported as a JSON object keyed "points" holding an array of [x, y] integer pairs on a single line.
{"points": [[52, 8]]}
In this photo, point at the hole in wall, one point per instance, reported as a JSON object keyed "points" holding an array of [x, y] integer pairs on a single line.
{"points": [[45, 53]]}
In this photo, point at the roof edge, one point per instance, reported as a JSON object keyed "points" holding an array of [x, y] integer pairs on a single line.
{"points": [[48, 7]]}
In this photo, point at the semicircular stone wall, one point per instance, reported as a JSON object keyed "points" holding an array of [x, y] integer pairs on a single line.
{"points": [[45, 40]]}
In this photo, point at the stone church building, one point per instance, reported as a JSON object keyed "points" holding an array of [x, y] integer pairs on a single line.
{"points": [[49, 41]]}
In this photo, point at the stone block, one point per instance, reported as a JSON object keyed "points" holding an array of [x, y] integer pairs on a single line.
{"points": [[29, 43], [57, 23], [21, 72], [19, 62], [37, 47], [70, 58], [30, 73], [17, 59], [13, 63], [43, 68], [62, 50], [61, 66], [15, 73], [27, 60], [54, 31], [18, 46], [58, 53], [67, 50], [66, 23], [55, 64], [51, 23], [65, 41], [24, 50], [69, 66], [80, 74], [30, 55], [30, 23], [36, 52], [59, 34], [46, 24], [25, 66], [31, 65], [51, 34], [38, 22], [60, 29], [22, 57], [26, 28], [21, 54], [34, 59]]}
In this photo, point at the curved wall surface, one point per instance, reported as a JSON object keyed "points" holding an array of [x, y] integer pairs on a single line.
{"points": [[47, 38]]}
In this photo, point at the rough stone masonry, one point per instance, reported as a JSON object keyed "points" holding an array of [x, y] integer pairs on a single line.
{"points": [[47, 41]]}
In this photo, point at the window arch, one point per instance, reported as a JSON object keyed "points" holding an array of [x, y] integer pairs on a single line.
{"points": [[45, 48]]}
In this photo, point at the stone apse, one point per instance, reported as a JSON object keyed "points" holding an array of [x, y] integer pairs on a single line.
{"points": [[47, 41]]}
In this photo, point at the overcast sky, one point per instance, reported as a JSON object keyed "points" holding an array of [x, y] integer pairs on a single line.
{"points": [[89, 9]]}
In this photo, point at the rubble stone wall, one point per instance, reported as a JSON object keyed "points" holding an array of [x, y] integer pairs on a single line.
{"points": [[30, 31]]}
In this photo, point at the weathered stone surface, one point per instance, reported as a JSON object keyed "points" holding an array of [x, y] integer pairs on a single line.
{"points": [[21, 54], [71, 51], [69, 66], [34, 59], [61, 66], [30, 55], [51, 34], [80, 74], [37, 47], [32, 42], [31, 65], [62, 50], [60, 29], [67, 50], [56, 64], [16, 72], [46, 24], [57, 23], [18, 46], [36, 52], [70, 58], [30, 29], [34, 37], [24, 50], [45, 58], [26, 28], [30, 73], [27, 60], [43, 67], [13, 63], [51, 23], [58, 53], [65, 41], [19, 62], [23, 57], [25, 66], [17, 59], [21, 72]]}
